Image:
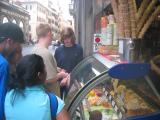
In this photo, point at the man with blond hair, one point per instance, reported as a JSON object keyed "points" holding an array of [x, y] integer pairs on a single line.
{"points": [[44, 36]]}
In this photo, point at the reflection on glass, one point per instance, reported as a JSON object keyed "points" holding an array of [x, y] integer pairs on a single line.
{"points": [[14, 21], [88, 70], [21, 25], [118, 99], [114, 99], [5, 20], [85, 72]]}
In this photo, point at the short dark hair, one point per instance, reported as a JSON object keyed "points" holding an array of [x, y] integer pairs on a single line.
{"points": [[27, 71], [12, 31], [68, 33]]}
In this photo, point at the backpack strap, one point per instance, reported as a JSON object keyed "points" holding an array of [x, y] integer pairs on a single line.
{"points": [[53, 105]]}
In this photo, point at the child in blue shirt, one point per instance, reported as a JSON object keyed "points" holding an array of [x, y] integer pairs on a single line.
{"points": [[26, 98]]}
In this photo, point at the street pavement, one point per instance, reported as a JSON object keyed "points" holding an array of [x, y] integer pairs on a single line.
{"points": [[27, 49]]}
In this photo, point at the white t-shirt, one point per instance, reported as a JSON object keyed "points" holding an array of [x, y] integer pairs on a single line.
{"points": [[51, 67]]}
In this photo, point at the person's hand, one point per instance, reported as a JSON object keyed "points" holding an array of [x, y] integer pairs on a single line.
{"points": [[60, 69], [62, 74], [65, 81]]}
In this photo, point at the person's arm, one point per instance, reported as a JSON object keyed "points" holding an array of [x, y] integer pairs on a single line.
{"points": [[63, 115], [57, 77], [51, 68], [65, 81], [52, 80]]}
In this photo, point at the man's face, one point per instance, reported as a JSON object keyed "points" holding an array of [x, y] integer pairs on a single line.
{"points": [[68, 42], [17, 54], [10, 48], [14, 57]]}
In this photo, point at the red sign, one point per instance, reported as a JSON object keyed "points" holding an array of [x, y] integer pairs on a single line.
{"points": [[97, 40]]}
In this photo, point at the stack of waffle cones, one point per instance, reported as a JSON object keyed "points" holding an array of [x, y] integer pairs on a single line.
{"points": [[133, 23]]}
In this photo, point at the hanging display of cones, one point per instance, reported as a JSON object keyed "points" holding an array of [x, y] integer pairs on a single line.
{"points": [[146, 14], [154, 65], [120, 23], [126, 17], [149, 22], [142, 8], [115, 8], [119, 19], [133, 22], [132, 12]]}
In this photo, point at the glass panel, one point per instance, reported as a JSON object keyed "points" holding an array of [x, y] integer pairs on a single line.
{"points": [[96, 103], [114, 99], [96, 106], [117, 99], [5, 20], [14, 21], [85, 71], [89, 69], [21, 25]]}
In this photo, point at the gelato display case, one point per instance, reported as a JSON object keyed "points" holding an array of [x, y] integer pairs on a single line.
{"points": [[95, 95]]}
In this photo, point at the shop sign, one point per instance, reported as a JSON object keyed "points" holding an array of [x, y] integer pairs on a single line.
{"points": [[96, 42]]}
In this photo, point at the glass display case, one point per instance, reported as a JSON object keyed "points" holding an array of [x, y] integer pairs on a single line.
{"points": [[94, 95]]}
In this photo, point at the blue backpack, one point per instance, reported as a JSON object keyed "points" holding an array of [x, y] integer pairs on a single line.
{"points": [[53, 105]]}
